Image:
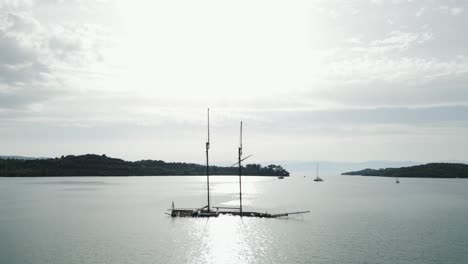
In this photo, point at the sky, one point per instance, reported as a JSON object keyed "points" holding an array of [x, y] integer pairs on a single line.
{"points": [[311, 80]]}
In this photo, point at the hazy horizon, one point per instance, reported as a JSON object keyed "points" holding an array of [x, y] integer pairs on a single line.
{"points": [[348, 81]]}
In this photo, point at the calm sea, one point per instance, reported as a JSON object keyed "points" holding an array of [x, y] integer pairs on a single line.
{"points": [[123, 220]]}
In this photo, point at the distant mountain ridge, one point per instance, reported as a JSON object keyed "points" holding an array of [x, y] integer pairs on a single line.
{"points": [[101, 165], [430, 170]]}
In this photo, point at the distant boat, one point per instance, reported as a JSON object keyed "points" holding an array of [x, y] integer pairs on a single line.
{"points": [[280, 177], [397, 181], [317, 178]]}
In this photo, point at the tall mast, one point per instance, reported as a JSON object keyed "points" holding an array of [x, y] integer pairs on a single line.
{"points": [[316, 169], [207, 162], [240, 171]]}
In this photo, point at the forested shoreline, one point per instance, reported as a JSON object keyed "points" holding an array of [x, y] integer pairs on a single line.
{"points": [[101, 165]]}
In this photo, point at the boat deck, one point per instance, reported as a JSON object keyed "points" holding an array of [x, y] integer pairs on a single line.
{"points": [[203, 212]]}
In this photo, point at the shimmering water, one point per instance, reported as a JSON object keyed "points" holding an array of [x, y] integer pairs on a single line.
{"points": [[122, 220]]}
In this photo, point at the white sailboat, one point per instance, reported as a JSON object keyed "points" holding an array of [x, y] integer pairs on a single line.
{"points": [[317, 178]]}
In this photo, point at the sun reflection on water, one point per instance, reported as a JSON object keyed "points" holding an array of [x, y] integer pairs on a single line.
{"points": [[229, 239]]}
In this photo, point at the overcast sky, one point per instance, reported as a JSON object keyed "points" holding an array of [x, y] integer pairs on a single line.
{"points": [[326, 80]]}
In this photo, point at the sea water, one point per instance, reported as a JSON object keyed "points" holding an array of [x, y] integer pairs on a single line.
{"points": [[352, 219]]}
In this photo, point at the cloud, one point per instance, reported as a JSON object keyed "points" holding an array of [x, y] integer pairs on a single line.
{"points": [[16, 4], [350, 121], [395, 41], [420, 11], [387, 68], [22, 23], [31, 52], [454, 11], [406, 66], [390, 81], [20, 51], [25, 76]]}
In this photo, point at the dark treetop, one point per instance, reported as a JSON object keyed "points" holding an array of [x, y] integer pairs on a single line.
{"points": [[431, 170], [96, 165]]}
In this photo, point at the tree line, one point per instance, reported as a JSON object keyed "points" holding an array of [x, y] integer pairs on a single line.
{"points": [[430, 170], [101, 165]]}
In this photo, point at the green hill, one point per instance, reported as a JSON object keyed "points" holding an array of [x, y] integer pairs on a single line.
{"points": [[101, 165], [431, 170]]}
